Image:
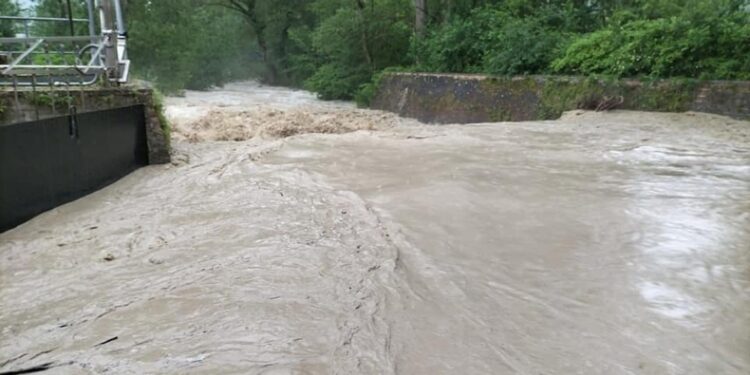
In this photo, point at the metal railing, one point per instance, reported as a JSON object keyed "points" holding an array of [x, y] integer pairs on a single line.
{"points": [[56, 60], [67, 60]]}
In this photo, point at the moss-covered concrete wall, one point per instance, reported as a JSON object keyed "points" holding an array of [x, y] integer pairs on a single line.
{"points": [[18, 106], [452, 98]]}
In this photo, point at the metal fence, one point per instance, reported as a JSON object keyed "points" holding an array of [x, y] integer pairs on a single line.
{"points": [[67, 60]]}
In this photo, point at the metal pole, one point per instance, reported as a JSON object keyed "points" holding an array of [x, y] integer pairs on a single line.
{"points": [[33, 90], [92, 24], [120, 20], [42, 19], [70, 20], [26, 31], [110, 53]]}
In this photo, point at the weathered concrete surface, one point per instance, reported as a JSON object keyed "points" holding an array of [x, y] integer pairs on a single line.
{"points": [[27, 105], [451, 98]]}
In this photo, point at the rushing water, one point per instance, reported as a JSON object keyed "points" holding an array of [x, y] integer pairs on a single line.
{"points": [[614, 243]]}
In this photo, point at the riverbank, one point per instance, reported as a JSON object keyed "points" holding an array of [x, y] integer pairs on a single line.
{"points": [[463, 98]]}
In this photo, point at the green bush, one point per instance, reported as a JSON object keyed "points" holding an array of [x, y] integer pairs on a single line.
{"points": [[496, 40], [180, 44], [332, 81], [7, 28], [715, 47], [365, 93], [166, 126], [452, 47], [521, 46], [350, 45]]}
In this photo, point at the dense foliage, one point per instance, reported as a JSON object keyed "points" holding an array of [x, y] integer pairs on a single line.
{"points": [[59, 9], [699, 40], [496, 40], [336, 47], [353, 41], [658, 38], [9, 8], [181, 44]]}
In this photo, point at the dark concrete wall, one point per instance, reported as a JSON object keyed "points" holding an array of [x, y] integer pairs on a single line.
{"points": [[49, 162], [451, 98], [26, 105]]}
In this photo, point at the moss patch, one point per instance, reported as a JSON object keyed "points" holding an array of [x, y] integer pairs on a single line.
{"points": [[663, 96], [166, 127], [51, 99], [560, 95], [517, 86], [500, 115]]}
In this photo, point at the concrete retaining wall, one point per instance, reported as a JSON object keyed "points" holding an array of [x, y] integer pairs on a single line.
{"points": [[49, 162], [450, 98], [27, 105]]}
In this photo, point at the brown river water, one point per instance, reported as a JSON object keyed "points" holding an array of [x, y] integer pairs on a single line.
{"points": [[601, 243]]}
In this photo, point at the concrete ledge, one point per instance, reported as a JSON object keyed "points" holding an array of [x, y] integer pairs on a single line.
{"points": [[462, 98], [26, 105]]}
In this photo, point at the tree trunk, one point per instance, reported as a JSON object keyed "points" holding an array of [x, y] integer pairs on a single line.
{"points": [[364, 37], [420, 24], [268, 60], [273, 54], [61, 9], [281, 58]]}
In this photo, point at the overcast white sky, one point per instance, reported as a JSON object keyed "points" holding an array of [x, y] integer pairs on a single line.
{"points": [[24, 4]]}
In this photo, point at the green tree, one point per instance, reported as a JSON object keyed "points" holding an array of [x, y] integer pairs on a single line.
{"points": [[8, 8], [59, 9], [700, 40], [511, 38], [353, 40], [336, 47], [183, 43], [271, 22]]}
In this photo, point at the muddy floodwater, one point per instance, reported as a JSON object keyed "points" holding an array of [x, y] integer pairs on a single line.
{"points": [[293, 236]]}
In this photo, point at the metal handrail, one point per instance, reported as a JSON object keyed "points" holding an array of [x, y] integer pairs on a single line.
{"points": [[103, 54], [23, 56], [78, 38], [43, 19], [89, 70]]}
